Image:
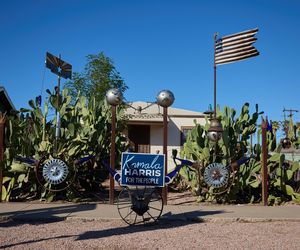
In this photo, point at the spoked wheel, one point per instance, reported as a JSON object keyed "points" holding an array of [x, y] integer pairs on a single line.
{"points": [[140, 205], [54, 174], [218, 177], [225, 188]]}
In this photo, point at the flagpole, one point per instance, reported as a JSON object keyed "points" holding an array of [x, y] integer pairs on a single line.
{"points": [[215, 77]]}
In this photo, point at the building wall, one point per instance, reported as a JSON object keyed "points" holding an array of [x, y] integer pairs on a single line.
{"points": [[174, 136]]}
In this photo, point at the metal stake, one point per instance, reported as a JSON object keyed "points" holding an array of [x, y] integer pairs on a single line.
{"points": [[165, 151], [215, 77], [57, 130], [112, 155], [264, 169]]}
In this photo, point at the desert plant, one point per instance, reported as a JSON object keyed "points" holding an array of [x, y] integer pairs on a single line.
{"points": [[246, 182], [85, 130]]}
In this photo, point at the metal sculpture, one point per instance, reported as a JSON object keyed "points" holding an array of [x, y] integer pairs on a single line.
{"points": [[142, 204], [215, 130], [55, 171], [114, 97], [165, 98], [54, 174], [216, 175]]}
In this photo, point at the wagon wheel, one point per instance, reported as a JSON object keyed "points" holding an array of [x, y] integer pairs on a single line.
{"points": [[54, 174], [140, 205]]}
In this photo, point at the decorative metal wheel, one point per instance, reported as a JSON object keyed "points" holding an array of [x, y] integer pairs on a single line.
{"points": [[218, 177], [140, 205], [54, 174]]}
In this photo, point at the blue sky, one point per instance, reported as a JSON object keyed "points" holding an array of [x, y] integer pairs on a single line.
{"points": [[157, 45]]}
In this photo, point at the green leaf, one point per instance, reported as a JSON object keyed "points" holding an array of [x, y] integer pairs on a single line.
{"points": [[275, 157], [71, 129], [289, 174], [73, 150], [289, 190], [31, 104], [256, 168], [21, 178], [296, 197], [4, 193], [23, 110], [50, 197], [295, 166], [254, 184], [6, 179], [19, 167]]}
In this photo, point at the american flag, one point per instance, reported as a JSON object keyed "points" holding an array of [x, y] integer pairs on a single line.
{"points": [[235, 47]]}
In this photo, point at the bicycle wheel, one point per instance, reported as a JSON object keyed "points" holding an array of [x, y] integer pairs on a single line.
{"points": [[54, 174], [140, 205]]}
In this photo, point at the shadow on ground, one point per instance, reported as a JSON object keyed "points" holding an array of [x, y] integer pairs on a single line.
{"points": [[42, 215], [169, 220]]}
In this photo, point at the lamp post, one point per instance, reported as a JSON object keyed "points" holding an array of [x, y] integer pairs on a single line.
{"points": [[114, 97], [165, 99]]}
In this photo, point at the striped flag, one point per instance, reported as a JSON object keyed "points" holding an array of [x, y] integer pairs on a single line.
{"points": [[235, 47]]}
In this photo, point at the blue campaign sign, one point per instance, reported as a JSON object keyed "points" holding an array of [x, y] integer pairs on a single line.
{"points": [[143, 169]]}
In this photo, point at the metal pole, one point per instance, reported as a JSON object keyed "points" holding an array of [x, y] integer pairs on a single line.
{"points": [[215, 77], [57, 131], [165, 151], [2, 126], [264, 169], [112, 155]]}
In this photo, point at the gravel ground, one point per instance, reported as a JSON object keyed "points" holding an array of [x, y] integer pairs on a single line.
{"points": [[164, 235]]}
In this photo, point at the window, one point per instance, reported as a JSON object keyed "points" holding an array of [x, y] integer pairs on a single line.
{"points": [[184, 134]]}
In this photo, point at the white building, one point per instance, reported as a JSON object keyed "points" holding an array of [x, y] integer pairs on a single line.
{"points": [[145, 127]]}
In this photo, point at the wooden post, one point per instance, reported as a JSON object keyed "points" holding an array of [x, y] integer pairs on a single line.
{"points": [[264, 167], [112, 156], [165, 151], [2, 127]]}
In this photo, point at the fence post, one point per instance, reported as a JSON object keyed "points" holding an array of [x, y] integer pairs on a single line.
{"points": [[264, 169], [2, 127]]}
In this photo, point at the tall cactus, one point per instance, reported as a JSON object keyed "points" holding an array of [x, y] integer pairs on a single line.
{"points": [[85, 130], [233, 145]]}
